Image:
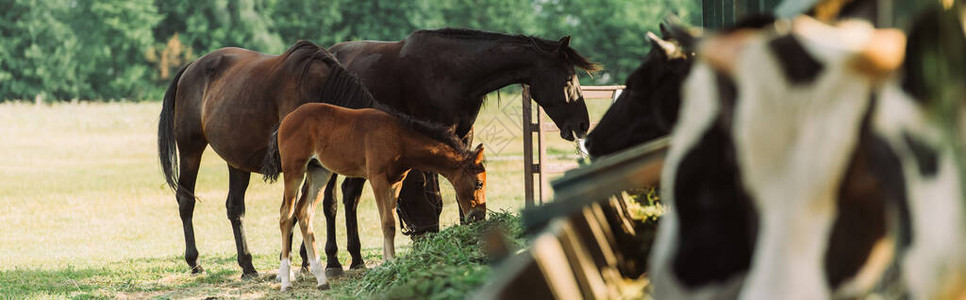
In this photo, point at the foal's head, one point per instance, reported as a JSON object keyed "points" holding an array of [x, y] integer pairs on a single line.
{"points": [[470, 185]]}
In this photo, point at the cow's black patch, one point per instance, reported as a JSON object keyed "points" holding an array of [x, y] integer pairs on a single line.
{"points": [[927, 158], [888, 168], [861, 214], [799, 67], [727, 97], [718, 223]]}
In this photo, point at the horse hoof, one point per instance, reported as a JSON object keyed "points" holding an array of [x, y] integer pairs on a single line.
{"points": [[358, 267], [291, 278], [333, 273], [197, 270], [250, 275], [285, 287], [322, 287]]}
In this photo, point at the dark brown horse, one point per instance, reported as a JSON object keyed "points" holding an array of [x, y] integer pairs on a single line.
{"points": [[442, 76], [232, 99], [321, 139]]}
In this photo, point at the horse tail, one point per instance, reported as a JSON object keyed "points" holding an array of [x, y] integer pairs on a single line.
{"points": [[167, 150], [272, 165]]}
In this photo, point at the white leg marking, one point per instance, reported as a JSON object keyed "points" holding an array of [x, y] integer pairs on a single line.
{"points": [[285, 273], [315, 266]]}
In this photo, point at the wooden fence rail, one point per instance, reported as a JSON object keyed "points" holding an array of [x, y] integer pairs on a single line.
{"points": [[586, 244]]}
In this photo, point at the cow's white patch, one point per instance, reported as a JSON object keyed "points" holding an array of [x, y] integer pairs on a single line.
{"points": [[936, 259], [699, 110], [793, 145]]}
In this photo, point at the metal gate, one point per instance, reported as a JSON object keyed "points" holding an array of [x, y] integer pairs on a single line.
{"points": [[716, 14]]}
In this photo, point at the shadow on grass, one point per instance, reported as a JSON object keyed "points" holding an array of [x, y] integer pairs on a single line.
{"points": [[165, 277], [445, 265], [129, 276]]}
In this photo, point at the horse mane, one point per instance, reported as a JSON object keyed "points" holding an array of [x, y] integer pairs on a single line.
{"points": [[342, 88], [436, 131], [540, 44]]}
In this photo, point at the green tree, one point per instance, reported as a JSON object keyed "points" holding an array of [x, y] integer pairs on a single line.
{"points": [[208, 25], [38, 51], [306, 20], [98, 49], [508, 16], [611, 32], [378, 20], [114, 40]]}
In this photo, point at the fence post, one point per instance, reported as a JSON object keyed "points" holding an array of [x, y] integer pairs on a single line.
{"points": [[541, 153], [527, 148]]}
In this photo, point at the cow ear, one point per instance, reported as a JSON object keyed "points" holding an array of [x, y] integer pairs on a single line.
{"points": [[667, 48], [883, 54], [674, 29]]}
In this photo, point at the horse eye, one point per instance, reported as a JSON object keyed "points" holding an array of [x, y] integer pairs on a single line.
{"points": [[479, 184]]}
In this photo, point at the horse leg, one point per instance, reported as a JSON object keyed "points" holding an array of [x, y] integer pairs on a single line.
{"points": [[302, 254], [435, 199], [237, 185], [189, 162], [285, 223], [386, 195], [351, 192], [305, 209], [329, 208]]}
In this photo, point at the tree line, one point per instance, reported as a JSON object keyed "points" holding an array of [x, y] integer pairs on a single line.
{"points": [[107, 49]]}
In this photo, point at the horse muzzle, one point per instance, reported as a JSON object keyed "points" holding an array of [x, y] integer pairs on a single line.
{"points": [[475, 214]]}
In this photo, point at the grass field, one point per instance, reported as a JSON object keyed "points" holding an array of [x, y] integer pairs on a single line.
{"points": [[84, 210]]}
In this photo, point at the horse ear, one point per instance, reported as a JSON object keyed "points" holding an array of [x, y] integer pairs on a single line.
{"points": [[564, 42], [478, 154]]}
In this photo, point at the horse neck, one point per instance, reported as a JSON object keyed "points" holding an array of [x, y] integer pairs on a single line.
{"points": [[428, 154], [497, 66]]}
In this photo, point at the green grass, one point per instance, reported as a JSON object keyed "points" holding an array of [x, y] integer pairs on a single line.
{"points": [[84, 210], [428, 269]]}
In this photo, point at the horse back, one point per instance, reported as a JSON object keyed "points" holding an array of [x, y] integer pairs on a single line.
{"points": [[380, 66], [232, 98], [341, 139], [409, 76]]}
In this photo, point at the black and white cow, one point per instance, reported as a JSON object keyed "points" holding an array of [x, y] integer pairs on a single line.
{"points": [[800, 169]]}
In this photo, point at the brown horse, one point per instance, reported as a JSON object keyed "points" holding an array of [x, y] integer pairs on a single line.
{"points": [[321, 139], [232, 99], [442, 76]]}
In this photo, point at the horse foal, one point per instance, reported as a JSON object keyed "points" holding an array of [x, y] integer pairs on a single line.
{"points": [[320, 139]]}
